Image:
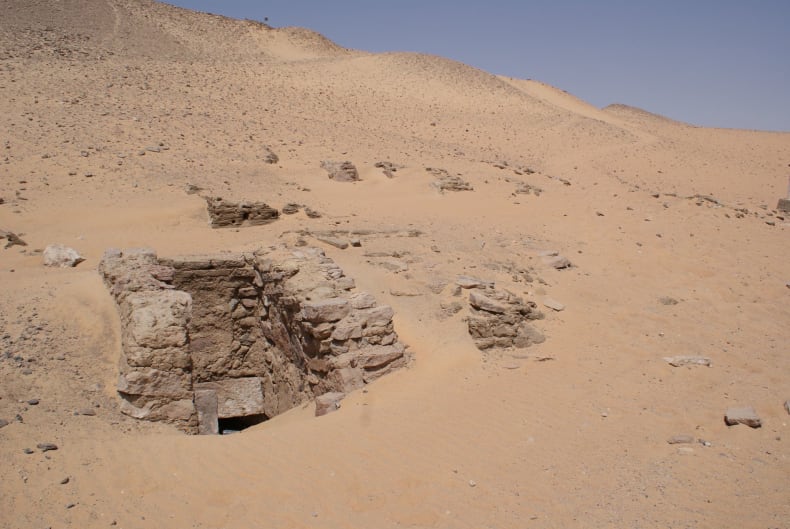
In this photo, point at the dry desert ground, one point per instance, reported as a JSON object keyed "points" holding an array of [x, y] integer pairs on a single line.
{"points": [[118, 118]]}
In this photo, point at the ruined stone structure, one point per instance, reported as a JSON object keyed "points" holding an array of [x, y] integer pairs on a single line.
{"points": [[208, 339], [223, 213], [499, 318]]}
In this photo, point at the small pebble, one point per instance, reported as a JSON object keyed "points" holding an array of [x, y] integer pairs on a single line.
{"points": [[472, 483], [65, 480], [3, 423], [28, 450], [680, 439], [71, 505], [33, 402], [46, 447]]}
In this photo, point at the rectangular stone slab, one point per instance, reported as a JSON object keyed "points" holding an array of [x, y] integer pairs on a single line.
{"points": [[236, 397]]}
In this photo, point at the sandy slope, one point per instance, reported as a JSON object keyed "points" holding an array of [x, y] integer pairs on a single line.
{"points": [[571, 433]]}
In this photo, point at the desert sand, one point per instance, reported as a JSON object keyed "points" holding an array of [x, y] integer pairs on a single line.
{"points": [[110, 110]]}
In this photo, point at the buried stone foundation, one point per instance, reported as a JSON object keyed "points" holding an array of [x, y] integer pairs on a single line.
{"points": [[239, 338]]}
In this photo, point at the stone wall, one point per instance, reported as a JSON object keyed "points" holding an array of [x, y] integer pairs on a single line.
{"points": [[206, 338]]}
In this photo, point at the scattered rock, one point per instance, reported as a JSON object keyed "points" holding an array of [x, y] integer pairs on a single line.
{"points": [[472, 483], [473, 282], [341, 171], [88, 412], [389, 168], [553, 304], [46, 447], [328, 402], [33, 402], [680, 439], [291, 208], [223, 213], [332, 241], [522, 188], [192, 189], [743, 415], [269, 156], [684, 360], [3, 423], [556, 261], [57, 255], [313, 214], [405, 292], [787, 406], [12, 239], [667, 301], [28, 451], [452, 183], [783, 205], [65, 480]]}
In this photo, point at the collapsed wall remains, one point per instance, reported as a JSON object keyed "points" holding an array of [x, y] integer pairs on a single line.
{"points": [[242, 336]]}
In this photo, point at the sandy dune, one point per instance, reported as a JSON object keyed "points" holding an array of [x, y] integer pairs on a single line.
{"points": [[111, 109]]}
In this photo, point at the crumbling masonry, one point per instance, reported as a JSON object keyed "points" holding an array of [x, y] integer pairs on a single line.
{"points": [[208, 338]]}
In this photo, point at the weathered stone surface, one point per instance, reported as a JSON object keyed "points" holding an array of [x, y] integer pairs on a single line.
{"points": [[236, 397], [157, 319], [337, 242], [207, 411], [686, 360], [553, 304], [742, 415], [341, 171], [223, 213], [483, 302], [473, 282], [325, 310], [155, 382], [377, 356], [328, 402], [783, 205], [57, 255], [499, 319]]}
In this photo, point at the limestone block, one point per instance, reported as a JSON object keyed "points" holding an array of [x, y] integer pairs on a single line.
{"points": [[328, 402], [236, 397], [379, 316], [743, 415], [375, 357], [362, 300], [155, 382], [57, 255], [207, 411], [483, 302], [325, 310], [159, 319]]}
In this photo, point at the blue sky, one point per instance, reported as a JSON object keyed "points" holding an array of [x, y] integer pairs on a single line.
{"points": [[719, 63]]}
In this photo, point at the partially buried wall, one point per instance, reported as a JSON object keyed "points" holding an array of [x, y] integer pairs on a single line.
{"points": [[245, 336]]}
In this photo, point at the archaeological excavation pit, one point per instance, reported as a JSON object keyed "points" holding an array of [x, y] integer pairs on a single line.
{"points": [[222, 342]]}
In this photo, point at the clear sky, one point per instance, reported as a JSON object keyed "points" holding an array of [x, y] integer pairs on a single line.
{"points": [[718, 63]]}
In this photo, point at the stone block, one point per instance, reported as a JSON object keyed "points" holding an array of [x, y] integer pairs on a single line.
{"points": [[325, 310], [155, 382], [328, 402], [236, 397], [206, 406], [742, 415]]}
